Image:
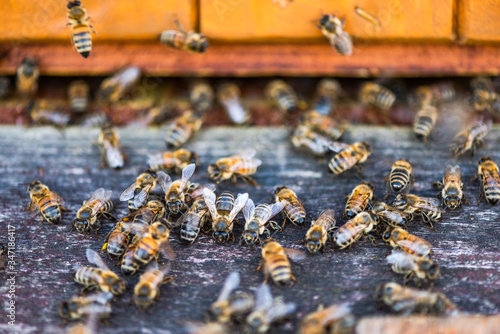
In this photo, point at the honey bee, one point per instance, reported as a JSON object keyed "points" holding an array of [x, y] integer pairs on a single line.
{"points": [[116, 241], [152, 211], [181, 129], [405, 301], [129, 265], [239, 165], [174, 191], [192, 221], [433, 94], [336, 317], [389, 215], [41, 113], [137, 193], [358, 200], [229, 96], [223, 212], [46, 202], [276, 264], [115, 86], [361, 225], [327, 93], [483, 83], [95, 119], [487, 171], [470, 139], [201, 96], [333, 29], [424, 122], [349, 156], [98, 204], [267, 311], [111, 149], [257, 220], [148, 287], [411, 244], [100, 278], [427, 207], [80, 28], [305, 138], [320, 229], [194, 191], [376, 95], [420, 269], [78, 94], [27, 77], [80, 307], [282, 95], [182, 40], [323, 124], [172, 161], [452, 195], [294, 210], [400, 178], [484, 99]]}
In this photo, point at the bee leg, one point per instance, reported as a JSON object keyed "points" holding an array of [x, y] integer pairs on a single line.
{"points": [[293, 277], [360, 172], [63, 208], [372, 238], [387, 195], [260, 265], [249, 180], [407, 278], [480, 198], [104, 248], [93, 29]]}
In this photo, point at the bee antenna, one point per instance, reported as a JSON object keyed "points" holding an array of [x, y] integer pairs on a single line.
{"points": [[72, 228]]}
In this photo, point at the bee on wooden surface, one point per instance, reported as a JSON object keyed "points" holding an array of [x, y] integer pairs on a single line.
{"points": [[229, 96], [361, 225], [115, 86], [424, 122], [327, 93], [98, 204], [201, 96], [147, 290], [42, 113], [470, 139], [80, 307], [129, 265], [194, 192], [319, 231], [452, 194], [241, 165], [267, 311], [282, 95], [174, 191], [376, 95], [348, 156], [325, 125], [111, 149], [27, 77], [420, 269], [223, 212], [152, 211], [427, 207], [257, 220], [181, 129], [338, 318], [80, 28], [358, 200], [333, 29], [192, 41], [411, 244], [401, 178], [100, 278], [487, 171], [172, 161], [78, 94], [46, 202], [405, 301], [294, 210], [192, 221], [137, 193], [311, 141], [276, 264], [4, 87], [389, 215], [116, 241]]}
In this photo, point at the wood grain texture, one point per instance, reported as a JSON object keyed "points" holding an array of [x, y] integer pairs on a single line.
{"points": [[478, 21], [465, 244]]}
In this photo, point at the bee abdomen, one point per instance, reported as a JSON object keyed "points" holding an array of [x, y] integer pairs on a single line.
{"points": [[281, 271], [82, 39], [399, 179], [178, 135], [225, 202], [296, 213], [248, 167], [340, 162], [173, 38], [189, 232], [87, 276], [425, 121], [492, 193], [146, 250]]}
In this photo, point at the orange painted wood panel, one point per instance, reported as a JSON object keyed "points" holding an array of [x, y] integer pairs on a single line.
{"points": [[32, 20], [479, 20], [264, 20]]}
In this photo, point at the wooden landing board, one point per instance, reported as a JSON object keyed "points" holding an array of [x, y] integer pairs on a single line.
{"points": [[465, 243]]}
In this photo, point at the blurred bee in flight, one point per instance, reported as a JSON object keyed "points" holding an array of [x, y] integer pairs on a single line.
{"points": [[470, 139], [147, 290], [376, 95], [303, 138], [192, 42], [327, 94], [27, 77], [201, 96], [282, 95], [98, 204], [46, 202], [413, 267], [172, 161], [42, 113], [294, 209], [80, 28], [424, 122], [333, 29], [276, 264], [338, 318], [181, 129], [348, 156], [111, 149], [484, 96], [229, 96], [325, 125], [114, 87], [487, 171], [241, 165], [257, 220], [80, 307], [78, 94], [137, 193], [319, 231], [452, 194]]}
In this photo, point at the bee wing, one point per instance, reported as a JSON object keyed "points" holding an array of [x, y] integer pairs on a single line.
{"points": [[273, 210], [246, 154], [232, 282], [57, 198], [295, 254], [280, 310], [337, 146], [409, 244], [239, 203], [113, 155], [427, 203], [141, 197], [166, 268], [34, 208], [101, 297], [167, 250], [153, 265], [187, 172], [263, 297], [327, 212], [452, 171], [165, 181], [248, 210], [137, 229], [210, 198], [94, 258], [336, 312], [129, 192], [94, 309], [101, 196], [153, 159], [401, 259]]}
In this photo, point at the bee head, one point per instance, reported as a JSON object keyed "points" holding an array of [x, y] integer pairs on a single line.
{"points": [[312, 245], [214, 172], [194, 159], [67, 308], [483, 160], [278, 189], [174, 207], [367, 147], [118, 287], [432, 269], [152, 173], [399, 202], [387, 234], [72, 4], [250, 236], [33, 184], [202, 44], [81, 225], [324, 20], [220, 237], [255, 321]]}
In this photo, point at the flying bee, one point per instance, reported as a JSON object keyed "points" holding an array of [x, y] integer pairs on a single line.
{"points": [[293, 210], [276, 264], [358, 200], [349, 156], [137, 193], [201, 96], [80, 307], [257, 220], [78, 94], [427, 207], [376, 95], [192, 41], [487, 171], [401, 178], [336, 317], [319, 231], [192, 221], [325, 125], [46, 202], [405, 301], [152, 211], [424, 122], [229, 96], [181, 129], [98, 204], [115, 86], [172, 161], [148, 287], [80, 28], [100, 278], [129, 265], [327, 93], [174, 191], [361, 225], [42, 113], [111, 149], [333, 29], [27, 77], [116, 241], [267, 311], [389, 215], [420, 269], [411, 244], [241, 165], [194, 192], [95, 119], [282, 95], [470, 139], [432, 94], [452, 194], [311, 141]]}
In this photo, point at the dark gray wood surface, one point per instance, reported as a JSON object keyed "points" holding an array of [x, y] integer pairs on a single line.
{"points": [[465, 243]]}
